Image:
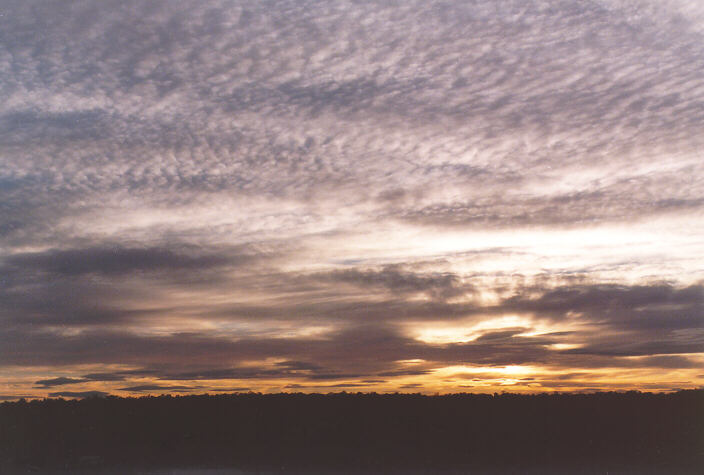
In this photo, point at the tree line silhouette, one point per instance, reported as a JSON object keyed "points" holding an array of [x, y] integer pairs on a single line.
{"points": [[599, 431]]}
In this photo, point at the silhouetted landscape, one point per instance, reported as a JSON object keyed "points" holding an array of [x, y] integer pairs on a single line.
{"points": [[633, 431]]}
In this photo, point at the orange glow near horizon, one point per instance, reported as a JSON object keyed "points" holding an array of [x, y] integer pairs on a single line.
{"points": [[440, 380]]}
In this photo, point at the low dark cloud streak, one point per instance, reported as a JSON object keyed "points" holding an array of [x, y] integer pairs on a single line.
{"points": [[117, 260]]}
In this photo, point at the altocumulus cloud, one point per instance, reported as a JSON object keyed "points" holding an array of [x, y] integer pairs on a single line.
{"points": [[291, 192]]}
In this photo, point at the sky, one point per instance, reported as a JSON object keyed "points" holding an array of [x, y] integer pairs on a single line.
{"points": [[322, 196]]}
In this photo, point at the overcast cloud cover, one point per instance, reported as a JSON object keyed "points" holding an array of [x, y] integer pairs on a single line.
{"points": [[320, 195]]}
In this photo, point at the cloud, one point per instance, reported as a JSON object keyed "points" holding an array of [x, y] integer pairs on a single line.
{"points": [[173, 106], [441, 285], [344, 385], [620, 201], [298, 366], [280, 191], [91, 377], [10, 397], [109, 284], [248, 372], [156, 388], [111, 376], [230, 390], [655, 307], [604, 314], [648, 347], [79, 394], [47, 383], [114, 261], [604, 296]]}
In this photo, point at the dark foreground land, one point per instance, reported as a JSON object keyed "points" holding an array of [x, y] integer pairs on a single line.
{"points": [[616, 432]]}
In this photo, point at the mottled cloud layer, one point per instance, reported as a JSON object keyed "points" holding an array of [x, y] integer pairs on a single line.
{"points": [[287, 195]]}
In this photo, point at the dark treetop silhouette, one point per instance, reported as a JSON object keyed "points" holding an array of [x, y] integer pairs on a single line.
{"points": [[601, 431]]}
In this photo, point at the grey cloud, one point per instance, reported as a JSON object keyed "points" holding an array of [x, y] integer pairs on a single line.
{"points": [[649, 308], [230, 390], [104, 377], [620, 202], [239, 373], [106, 285], [4, 397], [298, 366], [47, 383], [92, 377], [352, 354], [354, 310], [514, 351], [65, 302], [28, 126], [404, 372], [652, 308], [30, 299], [116, 260], [319, 387], [659, 319], [501, 335], [570, 376], [438, 285], [282, 370], [669, 361], [349, 354], [327, 376], [588, 296], [568, 361], [118, 375], [79, 394], [157, 387], [644, 348]]}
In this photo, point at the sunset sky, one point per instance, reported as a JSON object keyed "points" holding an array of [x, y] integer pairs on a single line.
{"points": [[412, 196]]}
